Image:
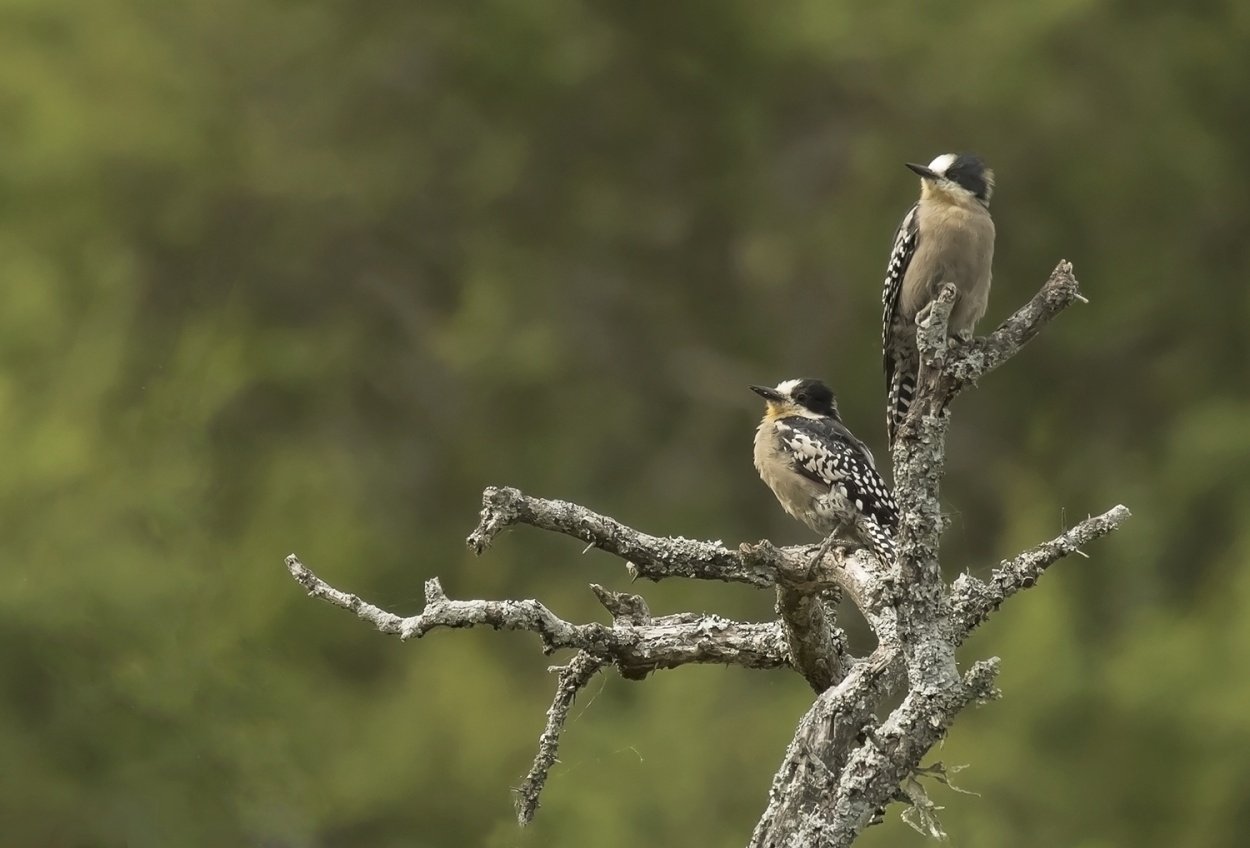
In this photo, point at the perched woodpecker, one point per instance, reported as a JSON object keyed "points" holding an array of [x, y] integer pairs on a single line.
{"points": [[947, 237], [821, 473]]}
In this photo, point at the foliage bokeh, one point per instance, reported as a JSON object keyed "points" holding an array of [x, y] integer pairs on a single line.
{"points": [[308, 277]]}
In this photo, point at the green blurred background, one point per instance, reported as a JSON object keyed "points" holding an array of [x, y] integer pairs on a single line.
{"points": [[282, 276]]}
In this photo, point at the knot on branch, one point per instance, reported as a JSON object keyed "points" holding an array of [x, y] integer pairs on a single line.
{"points": [[625, 608], [501, 508], [434, 592]]}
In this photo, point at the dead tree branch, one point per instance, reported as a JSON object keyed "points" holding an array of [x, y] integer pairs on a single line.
{"points": [[844, 764], [972, 600], [651, 557], [573, 678], [635, 649]]}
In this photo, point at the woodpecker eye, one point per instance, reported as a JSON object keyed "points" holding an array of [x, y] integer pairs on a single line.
{"points": [[801, 397]]}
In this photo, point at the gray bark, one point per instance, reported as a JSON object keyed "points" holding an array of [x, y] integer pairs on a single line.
{"points": [[844, 765]]}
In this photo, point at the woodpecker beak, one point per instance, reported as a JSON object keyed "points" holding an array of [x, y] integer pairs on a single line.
{"points": [[767, 393], [924, 171]]}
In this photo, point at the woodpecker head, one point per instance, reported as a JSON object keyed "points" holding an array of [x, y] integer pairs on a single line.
{"points": [[809, 398], [958, 175]]}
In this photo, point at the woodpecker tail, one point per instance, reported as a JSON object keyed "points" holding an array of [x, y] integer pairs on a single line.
{"points": [[880, 539], [901, 393]]}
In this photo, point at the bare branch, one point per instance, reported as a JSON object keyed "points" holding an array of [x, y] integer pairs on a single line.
{"points": [[972, 601], [808, 592], [819, 757], [932, 326], [388, 623], [636, 644], [652, 557], [840, 720], [828, 789], [817, 649], [814, 644], [948, 368], [874, 771], [441, 612], [843, 766], [666, 642], [978, 358], [573, 677], [932, 342], [920, 456]]}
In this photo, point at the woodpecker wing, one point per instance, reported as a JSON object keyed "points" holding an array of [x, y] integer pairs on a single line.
{"points": [[900, 386], [826, 453], [905, 240]]}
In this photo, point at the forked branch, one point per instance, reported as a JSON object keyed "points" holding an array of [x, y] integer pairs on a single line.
{"points": [[844, 764]]}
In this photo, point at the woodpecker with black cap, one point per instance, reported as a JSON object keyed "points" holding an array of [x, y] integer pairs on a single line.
{"points": [[819, 471], [947, 237]]}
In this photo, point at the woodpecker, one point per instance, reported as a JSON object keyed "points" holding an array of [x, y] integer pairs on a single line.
{"points": [[819, 471], [947, 237]]}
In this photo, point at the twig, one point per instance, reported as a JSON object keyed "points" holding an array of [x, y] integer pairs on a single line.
{"points": [[441, 612], [386, 622], [573, 677], [973, 361], [636, 644], [972, 600], [875, 769]]}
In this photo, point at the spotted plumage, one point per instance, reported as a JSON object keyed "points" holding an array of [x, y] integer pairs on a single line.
{"points": [[820, 472]]}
